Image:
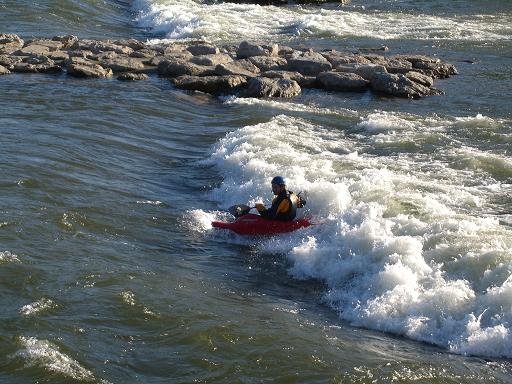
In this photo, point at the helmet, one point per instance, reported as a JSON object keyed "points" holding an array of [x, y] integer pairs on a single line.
{"points": [[279, 180]]}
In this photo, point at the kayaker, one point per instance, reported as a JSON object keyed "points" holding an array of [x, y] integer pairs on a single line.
{"points": [[284, 204]]}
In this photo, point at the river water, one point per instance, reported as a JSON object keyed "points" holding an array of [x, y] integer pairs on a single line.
{"points": [[110, 271]]}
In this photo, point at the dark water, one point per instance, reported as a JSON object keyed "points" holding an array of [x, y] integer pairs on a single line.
{"points": [[108, 272]]}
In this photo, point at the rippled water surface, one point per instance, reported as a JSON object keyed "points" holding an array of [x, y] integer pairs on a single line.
{"points": [[110, 271]]}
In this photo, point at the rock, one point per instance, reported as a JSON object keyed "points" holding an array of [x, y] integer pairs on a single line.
{"points": [[122, 64], [85, 68], [382, 48], [340, 58], [97, 46], [214, 85], [130, 76], [131, 43], [308, 63], [268, 63], [10, 43], [81, 53], [58, 55], [420, 78], [48, 68], [246, 49], [39, 60], [399, 85], [203, 49], [239, 67], [8, 61], [24, 68], [178, 67], [366, 71], [283, 75], [265, 87], [52, 45], [68, 41], [4, 71], [211, 60], [33, 50], [439, 71], [335, 81], [144, 53]]}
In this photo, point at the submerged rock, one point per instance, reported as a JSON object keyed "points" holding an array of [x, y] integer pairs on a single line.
{"points": [[130, 76]]}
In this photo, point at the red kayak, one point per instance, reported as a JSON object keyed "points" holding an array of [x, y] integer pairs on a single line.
{"points": [[255, 225]]}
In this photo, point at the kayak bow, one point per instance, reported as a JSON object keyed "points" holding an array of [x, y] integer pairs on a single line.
{"points": [[256, 225]]}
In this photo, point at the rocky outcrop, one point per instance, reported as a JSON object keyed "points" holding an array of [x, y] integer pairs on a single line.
{"points": [[247, 69]]}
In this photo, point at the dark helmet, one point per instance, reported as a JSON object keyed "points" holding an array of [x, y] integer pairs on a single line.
{"points": [[279, 180]]}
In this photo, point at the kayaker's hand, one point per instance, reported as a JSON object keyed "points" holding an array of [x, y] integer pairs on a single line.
{"points": [[260, 207]]}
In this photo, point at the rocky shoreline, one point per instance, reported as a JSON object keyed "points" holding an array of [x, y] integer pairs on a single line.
{"points": [[246, 70]]}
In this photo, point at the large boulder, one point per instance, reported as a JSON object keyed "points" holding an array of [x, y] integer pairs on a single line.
{"points": [[265, 87], [203, 49], [214, 85], [247, 49], [238, 67], [308, 63], [366, 71], [420, 78], [10, 43], [211, 60], [178, 67], [399, 85], [4, 71], [80, 67], [340, 81], [122, 64], [269, 63]]}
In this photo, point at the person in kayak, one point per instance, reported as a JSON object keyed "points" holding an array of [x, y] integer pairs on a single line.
{"points": [[284, 204]]}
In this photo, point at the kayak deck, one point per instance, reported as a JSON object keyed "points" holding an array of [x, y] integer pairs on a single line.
{"points": [[256, 225]]}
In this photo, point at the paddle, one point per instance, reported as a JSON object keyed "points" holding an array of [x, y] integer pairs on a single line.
{"points": [[239, 210]]}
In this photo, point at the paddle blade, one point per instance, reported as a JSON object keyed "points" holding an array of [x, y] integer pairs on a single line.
{"points": [[239, 210]]}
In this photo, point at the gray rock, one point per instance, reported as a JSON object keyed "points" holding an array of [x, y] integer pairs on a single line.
{"points": [[48, 68], [130, 76], [399, 85], [68, 41], [97, 46], [337, 58], [309, 82], [239, 67], [265, 87], [214, 85], [10, 43], [246, 49], [38, 60], [51, 44], [420, 78], [8, 61], [24, 68], [269, 63], [203, 49], [131, 43], [144, 53], [4, 71], [436, 70], [85, 68], [58, 55], [283, 75], [33, 50], [80, 53], [211, 60], [122, 64], [308, 63], [178, 67], [336, 81], [366, 71]]}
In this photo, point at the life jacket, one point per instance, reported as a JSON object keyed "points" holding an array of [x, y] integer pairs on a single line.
{"points": [[290, 214]]}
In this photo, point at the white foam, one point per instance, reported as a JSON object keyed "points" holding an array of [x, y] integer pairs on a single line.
{"points": [[401, 244], [227, 21], [37, 307], [8, 257], [44, 354]]}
